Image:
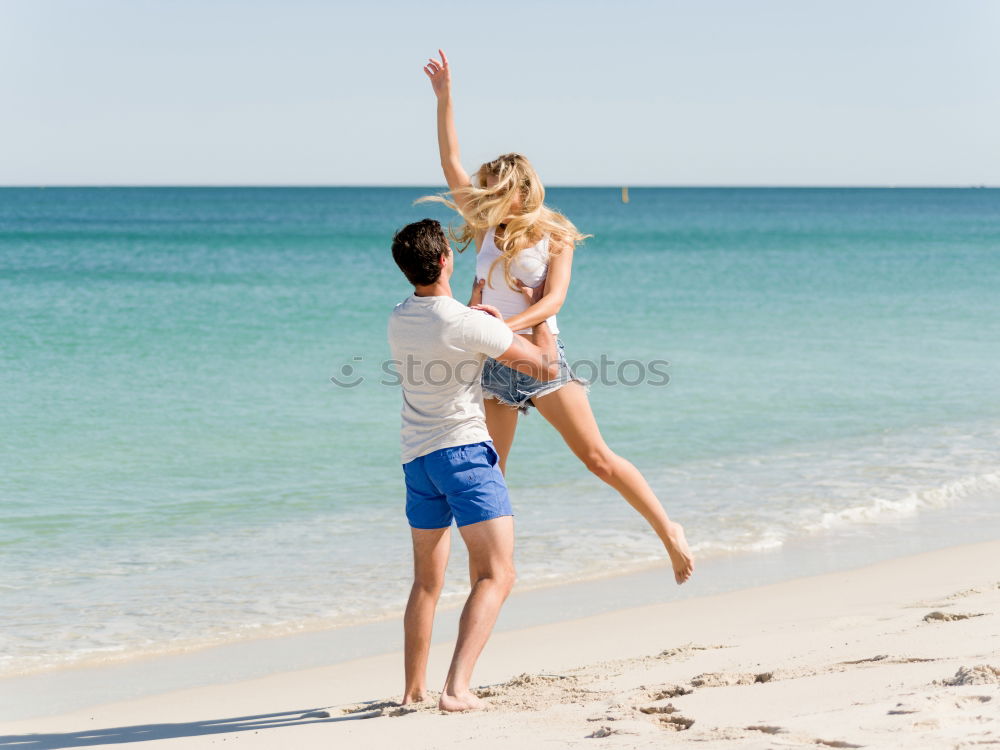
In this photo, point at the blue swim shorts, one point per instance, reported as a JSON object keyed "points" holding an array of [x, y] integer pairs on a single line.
{"points": [[463, 482]]}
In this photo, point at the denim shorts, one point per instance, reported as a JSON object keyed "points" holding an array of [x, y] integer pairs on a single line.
{"points": [[463, 482], [508, 386]]}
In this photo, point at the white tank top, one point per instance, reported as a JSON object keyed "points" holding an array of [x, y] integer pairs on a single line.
{"points": [[529, 266]]}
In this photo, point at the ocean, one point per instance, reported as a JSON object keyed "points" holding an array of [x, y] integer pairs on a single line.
{"points": [[199, 435]]}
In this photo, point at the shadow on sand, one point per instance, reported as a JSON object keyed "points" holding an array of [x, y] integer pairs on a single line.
{"points": [[144, 732]]}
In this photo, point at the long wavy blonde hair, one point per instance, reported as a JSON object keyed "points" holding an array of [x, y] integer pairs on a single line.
{"points": [[526, 224]]}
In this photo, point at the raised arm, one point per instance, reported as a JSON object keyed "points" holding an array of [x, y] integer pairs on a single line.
{"points": [[451, 163]]}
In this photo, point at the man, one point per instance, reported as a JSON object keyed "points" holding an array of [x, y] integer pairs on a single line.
{"points": [[449, 462]]}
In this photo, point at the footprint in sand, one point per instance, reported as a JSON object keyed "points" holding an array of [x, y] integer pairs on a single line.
{"points": [[964, 593], [607, 732], [671, 691], [834, 743], [767, 729], [950, 616], [877, 657], [538, 691], [675, 722], [686, 650], [370, 706], [401, 711], [727, 679], [600, 732], [981, 674], [975, 698], [888, 660], [946, 601], [370, 710], [667, 709], [605, 717], [357, 712]]}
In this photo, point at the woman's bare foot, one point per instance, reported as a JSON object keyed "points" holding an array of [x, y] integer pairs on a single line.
{"points": [[680, 554], [460, 701]]}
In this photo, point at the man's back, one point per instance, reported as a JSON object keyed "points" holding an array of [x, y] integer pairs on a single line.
{"points": [[451, 468], [439, 346]]}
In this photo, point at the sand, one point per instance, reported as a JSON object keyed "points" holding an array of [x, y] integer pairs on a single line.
{"points": [[902, 653]]}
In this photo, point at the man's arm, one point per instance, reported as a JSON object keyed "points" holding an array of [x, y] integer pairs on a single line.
{"points": [[532, 359]]}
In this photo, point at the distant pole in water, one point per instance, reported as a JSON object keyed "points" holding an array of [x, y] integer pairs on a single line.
{"points": [[624, 195]]}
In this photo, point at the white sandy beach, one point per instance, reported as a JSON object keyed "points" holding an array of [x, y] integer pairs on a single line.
{"points": [[902, 653]]}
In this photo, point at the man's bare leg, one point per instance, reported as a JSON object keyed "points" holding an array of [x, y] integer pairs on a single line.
{"points": [[491, 558], [430, 559]]}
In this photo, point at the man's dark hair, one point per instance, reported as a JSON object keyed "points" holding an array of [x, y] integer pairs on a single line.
{"points": [[417, 249]]}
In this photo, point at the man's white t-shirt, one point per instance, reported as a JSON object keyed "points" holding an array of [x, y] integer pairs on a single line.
{"points": [[439, 346]]}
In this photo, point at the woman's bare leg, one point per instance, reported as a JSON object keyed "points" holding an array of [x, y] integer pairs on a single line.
{"points": [[501, 421], [568, 410]]}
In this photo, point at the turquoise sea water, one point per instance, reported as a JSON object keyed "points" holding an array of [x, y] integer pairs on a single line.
{"points": [[178, 468]]}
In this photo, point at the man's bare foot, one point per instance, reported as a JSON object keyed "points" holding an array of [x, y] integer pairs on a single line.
{"points": [[461, 701], [680, 554], [416, 696]]}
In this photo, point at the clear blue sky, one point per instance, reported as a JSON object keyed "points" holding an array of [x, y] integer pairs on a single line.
{"points": [[733, 92]]}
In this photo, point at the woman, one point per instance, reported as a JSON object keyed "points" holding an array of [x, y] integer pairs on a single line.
{"points": [[522, 244]]}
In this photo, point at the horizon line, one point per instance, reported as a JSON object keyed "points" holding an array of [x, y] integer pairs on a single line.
{"points": [[605, 186]]}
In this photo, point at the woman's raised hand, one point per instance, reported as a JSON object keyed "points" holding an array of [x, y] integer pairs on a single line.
{"points": [[439, 73]]}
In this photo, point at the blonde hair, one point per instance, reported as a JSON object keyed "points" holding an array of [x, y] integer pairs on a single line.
{"points": [[487, 207]]}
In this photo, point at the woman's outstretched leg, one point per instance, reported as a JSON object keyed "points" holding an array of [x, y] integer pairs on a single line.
{"points": [[568, 410]]}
